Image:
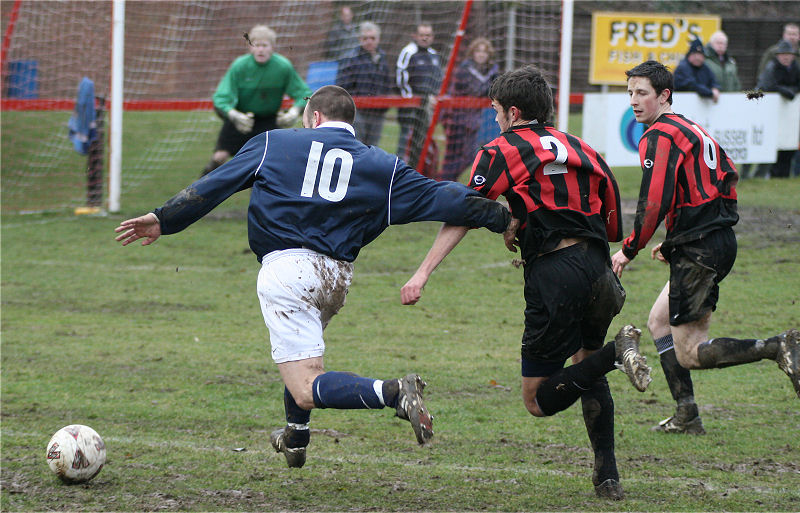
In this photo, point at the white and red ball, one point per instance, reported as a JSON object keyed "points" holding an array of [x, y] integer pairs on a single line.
{"points": [[76, 453]]}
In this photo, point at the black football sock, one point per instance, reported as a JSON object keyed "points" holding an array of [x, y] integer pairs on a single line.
{"points": [[678, 378], [296, 433], [565, 386], [391, 389], [725, 352], [598, 415], [295, 437], [294, 413]]}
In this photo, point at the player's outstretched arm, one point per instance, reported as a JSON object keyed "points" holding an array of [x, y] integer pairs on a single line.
{"points": [[144, 227], [448, 238]]}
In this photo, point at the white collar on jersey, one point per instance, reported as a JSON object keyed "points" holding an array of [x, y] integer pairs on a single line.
{"points": [[338, 124]]}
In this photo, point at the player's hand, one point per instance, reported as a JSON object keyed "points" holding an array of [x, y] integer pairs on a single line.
{"points": [[618, 263], [510, 235], [287, 118], [145, 227], [243, 122], [655, 254], [412, 290]]}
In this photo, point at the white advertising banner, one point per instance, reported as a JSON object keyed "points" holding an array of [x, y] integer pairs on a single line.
{"points": [[750, 131]]}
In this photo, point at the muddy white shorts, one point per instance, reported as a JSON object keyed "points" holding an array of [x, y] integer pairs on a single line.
{"points": [[299, 291]]}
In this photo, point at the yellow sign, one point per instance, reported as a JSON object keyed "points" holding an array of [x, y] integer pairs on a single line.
{"points": [[621, 40]]}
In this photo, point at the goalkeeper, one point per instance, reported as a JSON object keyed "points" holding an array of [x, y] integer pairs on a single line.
{"points": [[249, 96]]}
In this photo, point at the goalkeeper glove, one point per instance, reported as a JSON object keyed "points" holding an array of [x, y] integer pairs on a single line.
{"points": [[287, 118], [243, 122]]}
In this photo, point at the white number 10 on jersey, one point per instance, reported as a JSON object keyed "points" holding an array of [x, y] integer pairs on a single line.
{"points": [[312, 171]]}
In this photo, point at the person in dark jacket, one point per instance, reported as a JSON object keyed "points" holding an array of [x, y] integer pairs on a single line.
{"points": [[419, 73], [692, 74], [342, 39], [791, 33], [367, 74], [473, 77], [782, 75]]}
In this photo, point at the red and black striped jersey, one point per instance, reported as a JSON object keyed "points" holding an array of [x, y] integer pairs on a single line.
{"points": [[555, 183], [687, 179]]}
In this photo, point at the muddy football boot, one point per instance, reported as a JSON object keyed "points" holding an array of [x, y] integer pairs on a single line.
{"points": [[630, 360], [295, 457], [609, 489], [411, 408], [685, 421], [789, 357]]}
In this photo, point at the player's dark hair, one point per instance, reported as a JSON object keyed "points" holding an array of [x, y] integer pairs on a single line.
{"points": [[334, 102], [526, 89], [659, 75]]}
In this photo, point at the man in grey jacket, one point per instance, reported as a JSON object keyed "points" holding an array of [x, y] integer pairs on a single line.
{"points": [[722, 64]]}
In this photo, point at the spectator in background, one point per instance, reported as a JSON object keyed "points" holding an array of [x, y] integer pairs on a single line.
{"points": [[721, 64], [692, 74], [419, 73], [782, 75], [250, 94], [473, 77], [791, 33], [367, 74], [342, 38]]}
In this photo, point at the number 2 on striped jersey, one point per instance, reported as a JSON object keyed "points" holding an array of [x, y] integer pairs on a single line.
{"points": [[558, 166]]}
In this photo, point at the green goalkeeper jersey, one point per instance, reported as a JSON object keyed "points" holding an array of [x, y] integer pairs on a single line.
{"points": [[259, 88]]}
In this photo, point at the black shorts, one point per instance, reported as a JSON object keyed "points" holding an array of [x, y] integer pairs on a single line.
{"points": [[695, 270], [232, 140], [571, 296]]}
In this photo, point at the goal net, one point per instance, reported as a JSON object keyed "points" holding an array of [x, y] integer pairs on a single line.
{"points": [[175, 54]]}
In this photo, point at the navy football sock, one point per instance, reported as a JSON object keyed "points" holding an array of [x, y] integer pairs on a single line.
{"points": [[565, 386], [346, 391]]}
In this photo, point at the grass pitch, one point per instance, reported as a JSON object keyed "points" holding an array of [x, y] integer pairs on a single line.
{"points": [[163, 351]]}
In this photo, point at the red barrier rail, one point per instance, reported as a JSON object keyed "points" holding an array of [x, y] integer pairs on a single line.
{"points": [[362, 102]]}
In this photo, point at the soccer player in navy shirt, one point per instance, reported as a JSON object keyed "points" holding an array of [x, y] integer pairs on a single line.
{"points": [[318, 196], [566, 199], [690, 183]]}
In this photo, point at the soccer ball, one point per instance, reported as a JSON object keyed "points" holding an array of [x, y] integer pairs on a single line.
{"points": [[76, 453]]}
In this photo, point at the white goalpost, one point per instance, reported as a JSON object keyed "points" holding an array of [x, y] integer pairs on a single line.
{"points": [[565, 63], [117, 85]]}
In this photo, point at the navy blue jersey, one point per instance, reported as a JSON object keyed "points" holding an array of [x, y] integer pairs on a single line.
{"points": [[324, 190]]}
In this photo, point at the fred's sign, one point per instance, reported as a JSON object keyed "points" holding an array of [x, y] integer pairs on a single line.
{"points": [[621, 40]]}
